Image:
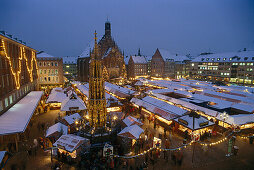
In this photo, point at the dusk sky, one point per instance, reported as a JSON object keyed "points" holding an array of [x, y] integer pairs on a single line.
{"points": [[65, 27]]}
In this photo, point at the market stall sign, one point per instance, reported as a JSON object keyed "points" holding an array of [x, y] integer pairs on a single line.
{"points": [[203, 124], [73, 108], [183, 121], [60, 147]]}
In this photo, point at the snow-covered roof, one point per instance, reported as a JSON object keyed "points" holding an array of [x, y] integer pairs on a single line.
{"points": [[58, 127], [242, 56], [109, 98], [56, 97], [16, 119], [2, 154], [73, 103], [199, 123], [166, 55], [69, 60], [57, 89], [72, 118], [131, 121], [44, 55], [240, 119], [126, 59], [187, 104], [243, 107], [107, 52], [89, 48], [70, 142], [139, 59], [161, 108], [132, 132], [139, 83], [118, 90]]}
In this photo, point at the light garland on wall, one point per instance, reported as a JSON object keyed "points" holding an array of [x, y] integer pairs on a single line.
{"points": [[22, 56]]}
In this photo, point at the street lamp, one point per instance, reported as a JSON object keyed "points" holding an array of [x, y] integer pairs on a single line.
{"points": [[224, 116]]}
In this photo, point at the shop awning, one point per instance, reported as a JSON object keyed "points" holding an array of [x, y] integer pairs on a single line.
{"points": [[16, 119]]}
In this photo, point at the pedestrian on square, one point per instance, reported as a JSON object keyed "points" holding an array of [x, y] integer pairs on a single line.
{"points": [[173, 157], [179, 158], [39, 126]]}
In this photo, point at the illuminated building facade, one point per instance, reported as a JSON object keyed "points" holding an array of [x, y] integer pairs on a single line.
{"points": [[97, 101], [18, 70], [70, 67], [112, 58], [232, 67], [50, 70], [137, 67], [165, 64]]}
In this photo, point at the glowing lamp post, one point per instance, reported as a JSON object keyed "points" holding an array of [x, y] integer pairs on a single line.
{"points": [[224, 116]]}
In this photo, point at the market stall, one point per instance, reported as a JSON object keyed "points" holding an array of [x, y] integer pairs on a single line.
{"points": [[72, 121], [188, 124], [55, 131], [70, 145], [73, 104]]}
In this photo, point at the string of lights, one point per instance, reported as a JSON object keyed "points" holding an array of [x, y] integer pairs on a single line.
{"points": [[154, 148], [246, 137], [22, 56], [215, 143]]}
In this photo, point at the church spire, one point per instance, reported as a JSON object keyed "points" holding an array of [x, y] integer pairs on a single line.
{"points": [[95, 46], [107, 29], [139, 52]]}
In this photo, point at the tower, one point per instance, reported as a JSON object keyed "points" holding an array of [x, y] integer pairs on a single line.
{"points": [[107, 29], [97, 101]]}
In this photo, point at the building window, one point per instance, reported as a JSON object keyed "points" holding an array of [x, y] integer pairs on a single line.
{"points": [[45, 71], [56, 71], [7, 77], [6, 104], [1, 106], [10, 99], [56, 79], [40, 71], [48, 78], [40, 64], [52, 71], [48, 71], [52, 64], [45, 79], [44, 64], [56, 64], [218, 59]]}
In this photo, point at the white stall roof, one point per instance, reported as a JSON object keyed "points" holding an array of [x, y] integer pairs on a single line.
{"points": [[2, 153], [73, 103], [163, 109], [118, 89], [58, 127], [188, 105], [244, 107], [240, 119], [132, 132], [70, 142], [16, 119], [199, 123], [56, 97], [131, 121], [72, 118]]}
